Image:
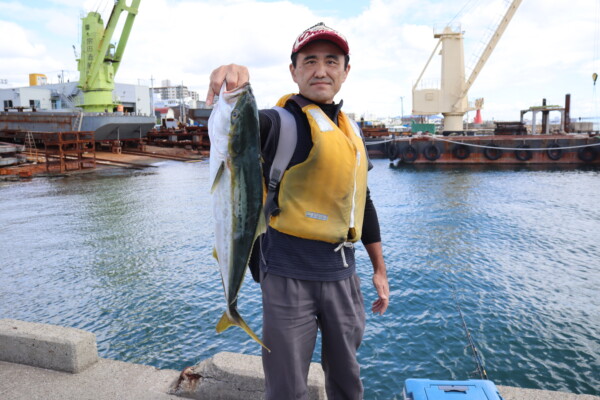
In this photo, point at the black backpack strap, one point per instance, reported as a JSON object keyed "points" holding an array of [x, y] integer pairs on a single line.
{"points": [[286, 145]]}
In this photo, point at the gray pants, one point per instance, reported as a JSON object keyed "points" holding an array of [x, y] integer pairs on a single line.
{"points": [[293, 311]]}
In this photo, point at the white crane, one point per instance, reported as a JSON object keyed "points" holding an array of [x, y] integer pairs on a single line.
{"points": [[451, 98]]}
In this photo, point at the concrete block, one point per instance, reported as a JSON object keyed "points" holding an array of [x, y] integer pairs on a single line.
{"points": [[232, 376], [513, 393], [47, 346]]}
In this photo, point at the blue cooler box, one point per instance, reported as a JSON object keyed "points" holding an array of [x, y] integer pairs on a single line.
{"points": [[472, 389]]}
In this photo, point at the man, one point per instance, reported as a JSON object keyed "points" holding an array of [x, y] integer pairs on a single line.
{"points": [[307, 267]]}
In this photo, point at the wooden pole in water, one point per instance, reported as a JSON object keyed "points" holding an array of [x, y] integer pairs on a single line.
{"points": [[544, 118]]}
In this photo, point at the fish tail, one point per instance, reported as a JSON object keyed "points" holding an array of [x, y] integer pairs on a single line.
{"points": [[233, 318]]}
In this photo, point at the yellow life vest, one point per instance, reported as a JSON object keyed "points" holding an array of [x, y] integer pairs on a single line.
{"points": [[323, 198]]}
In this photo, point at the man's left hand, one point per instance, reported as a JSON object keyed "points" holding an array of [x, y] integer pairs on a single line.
{"points": [[383, 293], [380, 280]]}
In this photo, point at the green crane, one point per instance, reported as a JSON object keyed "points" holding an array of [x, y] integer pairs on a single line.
{"points": [[100, 59]]}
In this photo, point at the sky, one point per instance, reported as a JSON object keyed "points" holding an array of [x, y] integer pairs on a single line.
{"points": [[549, 49]]}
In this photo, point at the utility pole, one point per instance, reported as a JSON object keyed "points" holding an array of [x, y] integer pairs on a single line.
{"points": [[402, 107], [182, 107], [152, 96]]}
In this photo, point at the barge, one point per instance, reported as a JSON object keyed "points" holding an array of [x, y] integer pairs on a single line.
{"points": [[105, 126], [488, 149], [507, 143]]}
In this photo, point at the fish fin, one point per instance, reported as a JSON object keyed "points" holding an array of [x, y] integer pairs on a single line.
{"points": [[215, 255], [261, 227], [218, 176], [236, 320]]}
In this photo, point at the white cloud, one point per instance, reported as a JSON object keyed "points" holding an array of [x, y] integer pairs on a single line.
{"points": [[540, 56], [186, 41], [61, 21], [547, 49], [16, 42]]}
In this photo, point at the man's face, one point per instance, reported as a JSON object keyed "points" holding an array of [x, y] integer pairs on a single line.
{"points": [[320, 71]]}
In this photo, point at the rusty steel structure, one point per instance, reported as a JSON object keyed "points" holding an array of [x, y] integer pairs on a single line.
{"points": [[55, 152], [69, 151], [194, 136]]}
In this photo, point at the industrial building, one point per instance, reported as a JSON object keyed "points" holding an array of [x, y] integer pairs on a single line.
{"points": [[134, 99]]}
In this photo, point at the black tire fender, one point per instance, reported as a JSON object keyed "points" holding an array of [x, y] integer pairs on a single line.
{"points": [[461, 151], [522, 153], [410, 154], [491, 152], [587, 154], [432, 152], [553, 152], [392, 151]]}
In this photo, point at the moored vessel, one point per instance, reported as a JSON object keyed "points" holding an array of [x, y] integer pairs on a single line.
{"points": [[90, 105], [105, 126], [491, 149]]}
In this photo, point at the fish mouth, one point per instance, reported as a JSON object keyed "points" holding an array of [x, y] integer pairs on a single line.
{"points": [[242, 86]]}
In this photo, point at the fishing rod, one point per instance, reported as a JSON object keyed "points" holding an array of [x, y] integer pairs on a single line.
{"points": [[480, 368], [422, 389]]}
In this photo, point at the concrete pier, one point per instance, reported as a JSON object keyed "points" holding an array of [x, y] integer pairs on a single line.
{"points": [[47, 346], [105, 380], [39, 361], [236, 376]]}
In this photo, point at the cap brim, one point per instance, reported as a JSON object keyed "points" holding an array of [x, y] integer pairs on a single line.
{"points": [[328, 36]]}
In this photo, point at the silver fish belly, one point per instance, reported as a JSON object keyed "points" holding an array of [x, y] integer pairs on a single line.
{"points": [[236, 193]]}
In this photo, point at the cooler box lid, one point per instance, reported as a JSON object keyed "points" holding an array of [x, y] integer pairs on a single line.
{"points": [[428, 389]]}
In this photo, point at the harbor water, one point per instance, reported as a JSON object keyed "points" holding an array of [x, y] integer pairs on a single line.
{"points": [[128, 255]]}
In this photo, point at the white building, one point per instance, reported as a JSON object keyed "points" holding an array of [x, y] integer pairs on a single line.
{"points": [[27, 97], [61, 96], [179, 92]]}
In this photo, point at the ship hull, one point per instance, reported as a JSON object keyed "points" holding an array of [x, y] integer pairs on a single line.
{"points": [[106, 126], [491, 149]]}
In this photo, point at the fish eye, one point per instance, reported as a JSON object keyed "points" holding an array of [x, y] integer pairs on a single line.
{"points": [[235, 114]]}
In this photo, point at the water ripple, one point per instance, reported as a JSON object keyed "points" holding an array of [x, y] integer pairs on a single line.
{"points": [[127, 255]]}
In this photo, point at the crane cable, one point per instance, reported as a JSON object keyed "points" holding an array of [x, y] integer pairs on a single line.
{"points": [[460, 12]]}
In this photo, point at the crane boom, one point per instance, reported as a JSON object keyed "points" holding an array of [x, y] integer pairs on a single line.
{"points": [[450, 99], [510, 12]]}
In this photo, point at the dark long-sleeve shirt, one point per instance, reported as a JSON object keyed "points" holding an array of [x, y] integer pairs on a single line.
{"points": [[291, 256]]}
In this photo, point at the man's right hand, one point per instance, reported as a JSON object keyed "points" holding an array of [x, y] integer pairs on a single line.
{"points": [[234, 75]]}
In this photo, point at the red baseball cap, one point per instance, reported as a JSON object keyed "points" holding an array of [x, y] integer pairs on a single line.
{"points": [[320, 32]]}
